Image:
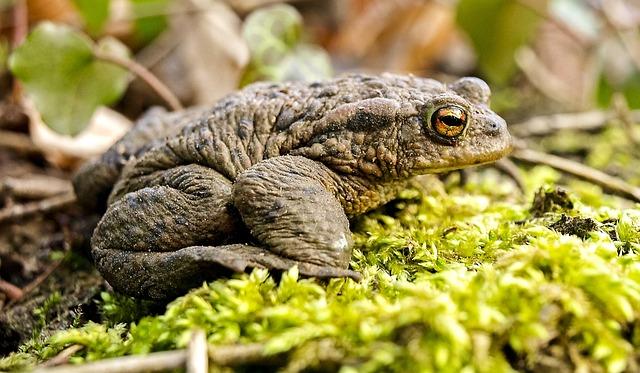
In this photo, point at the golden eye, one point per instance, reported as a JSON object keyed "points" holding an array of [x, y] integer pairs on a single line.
{"points": [[449, 121]]}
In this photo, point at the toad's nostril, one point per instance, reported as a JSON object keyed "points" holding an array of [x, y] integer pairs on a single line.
{"points": [[495, 125]]}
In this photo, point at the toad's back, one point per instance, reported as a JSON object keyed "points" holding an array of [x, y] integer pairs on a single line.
{"points": [[269, 119], [262, 121]]}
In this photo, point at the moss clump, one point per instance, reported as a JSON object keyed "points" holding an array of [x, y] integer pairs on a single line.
{"points": [[450, 282]]}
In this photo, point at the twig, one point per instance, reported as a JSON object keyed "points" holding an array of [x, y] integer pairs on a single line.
{"points": [[607, 182], [45, 205], [506, 166], [20, 22], [582, 121], [236, 354], [13, 292], [63, 357], [548, 124], [140, 71], [159, 49], [541, 78], [198, 359], [18, 142], [157, 361], [40, 279], [34, 186], [621, 107], [161, 361]]}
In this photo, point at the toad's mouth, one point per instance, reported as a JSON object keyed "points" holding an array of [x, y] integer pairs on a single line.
{"points": [[428, 166], [439, 170]]}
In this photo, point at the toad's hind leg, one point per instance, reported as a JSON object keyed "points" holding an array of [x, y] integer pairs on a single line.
{"points": [[148, 243], [176, 208], [94, 180]]}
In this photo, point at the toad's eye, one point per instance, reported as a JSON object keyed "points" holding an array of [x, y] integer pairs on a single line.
{"points": [[449, 121]]}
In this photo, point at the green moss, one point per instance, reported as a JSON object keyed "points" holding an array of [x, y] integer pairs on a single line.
{"points": [[451, 282]]}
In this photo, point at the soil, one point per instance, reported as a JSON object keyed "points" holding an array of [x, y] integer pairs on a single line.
{"points": [[44, 254]]}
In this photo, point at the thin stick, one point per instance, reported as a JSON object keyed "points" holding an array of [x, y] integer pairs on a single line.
{"points": [[236, 354], [12, 292], [198, 358], [582, 121], [233, 355], [621, 107], [43, 276], [20, 21], [18, 142], [157, 361], [507, 166], [46, 205], [607, 182], [548, 124], [34, 186], [140, 71], [541, 78], [63, 357]]}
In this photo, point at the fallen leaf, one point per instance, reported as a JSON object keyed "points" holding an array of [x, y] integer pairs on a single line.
{"points": [[66, 82], [105, 127], [52, 10], [211, 47]]}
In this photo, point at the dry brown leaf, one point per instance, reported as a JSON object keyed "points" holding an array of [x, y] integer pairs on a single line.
{"points": [[53, 10], [66, 152], [399, 35], [211, 46], [571, 66]]}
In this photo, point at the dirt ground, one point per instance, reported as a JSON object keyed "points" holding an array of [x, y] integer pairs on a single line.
{"points": [[46, 278]]}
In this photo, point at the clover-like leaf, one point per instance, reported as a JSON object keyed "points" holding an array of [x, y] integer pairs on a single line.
{"points": [[306, 62], [274, 37], [60, 72], [272, 32]]}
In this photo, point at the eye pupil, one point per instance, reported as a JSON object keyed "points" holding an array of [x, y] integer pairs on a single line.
{"points": [[449, 121]]}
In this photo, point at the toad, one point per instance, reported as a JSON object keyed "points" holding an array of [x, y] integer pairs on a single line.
{"points": [[271, 175]]}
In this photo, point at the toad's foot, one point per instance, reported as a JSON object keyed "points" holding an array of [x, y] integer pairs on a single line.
{"points": [[164, 275]]}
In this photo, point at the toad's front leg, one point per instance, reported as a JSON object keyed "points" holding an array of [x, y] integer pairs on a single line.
{"points": [[288, 205]]}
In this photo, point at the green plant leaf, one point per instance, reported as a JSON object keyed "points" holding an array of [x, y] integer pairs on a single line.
{"points": [[94, 12], [272, 32], [306, 62], [497, 28], [4, 55], [150, 19], [274, 37], [66, 82], [629, 87]]}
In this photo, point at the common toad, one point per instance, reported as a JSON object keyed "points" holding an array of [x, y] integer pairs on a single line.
{"points": [[271, 175]]}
